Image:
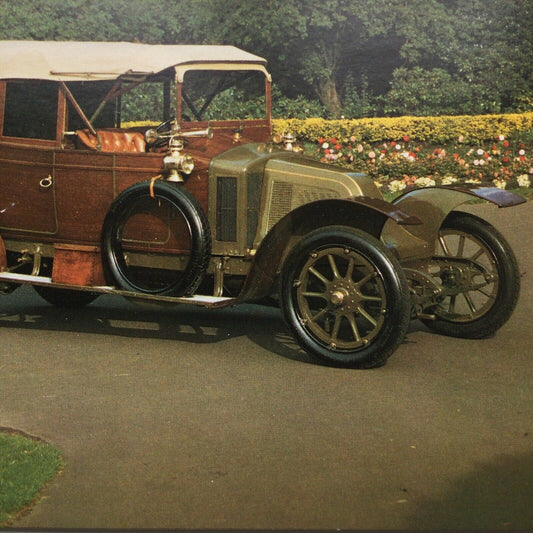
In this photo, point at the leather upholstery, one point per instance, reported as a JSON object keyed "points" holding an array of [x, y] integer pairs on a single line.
{"points": [[113, 140]]}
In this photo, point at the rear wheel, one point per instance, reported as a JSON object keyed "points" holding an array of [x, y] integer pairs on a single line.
{"points": [[479, 275], [345, 297], [65, 297]]}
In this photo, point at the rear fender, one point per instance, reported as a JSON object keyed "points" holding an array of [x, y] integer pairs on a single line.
{"points": [[433, 204], [367, 214]]}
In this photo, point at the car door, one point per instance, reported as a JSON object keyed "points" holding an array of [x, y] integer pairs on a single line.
{"points": [[27, 142]]}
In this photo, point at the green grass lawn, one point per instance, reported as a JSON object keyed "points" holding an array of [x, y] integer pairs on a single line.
{"points": [[26, 465]]}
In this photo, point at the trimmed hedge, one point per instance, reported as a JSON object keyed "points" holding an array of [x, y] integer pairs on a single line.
{"points": [[433, 130]]}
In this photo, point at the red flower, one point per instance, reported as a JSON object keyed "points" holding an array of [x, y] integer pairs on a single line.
{"points": [[406, 138], [321, 140], [334, 141], [506, 144], [338, 147]]}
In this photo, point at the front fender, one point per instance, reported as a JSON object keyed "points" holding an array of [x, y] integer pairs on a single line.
{"points": [[433, 204], [365, 213]]}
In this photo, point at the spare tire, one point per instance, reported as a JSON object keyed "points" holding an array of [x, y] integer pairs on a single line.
{"points": [[156, 240]]}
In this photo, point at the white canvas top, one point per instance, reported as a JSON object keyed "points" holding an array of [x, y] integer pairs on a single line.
{"points": [[87, 60]]}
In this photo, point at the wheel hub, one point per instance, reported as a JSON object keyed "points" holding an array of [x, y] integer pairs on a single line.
{"points": [[338, 297], [345, 297]]}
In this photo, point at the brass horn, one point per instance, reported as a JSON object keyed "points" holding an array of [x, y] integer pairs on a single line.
{"points": [[208, 132]]}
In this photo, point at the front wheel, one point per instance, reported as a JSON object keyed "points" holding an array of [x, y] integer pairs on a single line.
{"points": [[479, 276], [345, 297]]}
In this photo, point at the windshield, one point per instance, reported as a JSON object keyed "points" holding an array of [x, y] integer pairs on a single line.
{"points": [[223, 95], [206, 95]]}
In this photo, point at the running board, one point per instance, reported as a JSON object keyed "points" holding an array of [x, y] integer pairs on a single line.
{"points": [[211, 302]]}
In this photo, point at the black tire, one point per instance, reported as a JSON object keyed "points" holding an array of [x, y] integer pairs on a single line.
{"points": [[482, 296], [345, 297], [65, 297], [183, 218]]}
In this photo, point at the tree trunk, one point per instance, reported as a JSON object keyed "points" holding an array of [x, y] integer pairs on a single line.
{"points": [[328, 95]]}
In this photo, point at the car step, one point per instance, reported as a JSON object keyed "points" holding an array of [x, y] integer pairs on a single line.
{"points": [[198, 299]]}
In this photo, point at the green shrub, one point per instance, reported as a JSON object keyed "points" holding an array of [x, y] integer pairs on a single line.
{"points": [[433, 130]]}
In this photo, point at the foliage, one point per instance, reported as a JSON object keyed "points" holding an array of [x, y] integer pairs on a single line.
{"points": [[430, 92], [25, 466], [346, 57], [297, 107], [433, 130], [398, 164]]}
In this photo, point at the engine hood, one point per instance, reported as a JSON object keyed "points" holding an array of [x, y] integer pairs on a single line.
{"points": [[278, 167]]}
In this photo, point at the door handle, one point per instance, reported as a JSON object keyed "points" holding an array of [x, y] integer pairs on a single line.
{"points": [[45, 183]]}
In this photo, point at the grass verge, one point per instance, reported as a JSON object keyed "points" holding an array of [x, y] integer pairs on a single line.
{"points": [[26, 465]]}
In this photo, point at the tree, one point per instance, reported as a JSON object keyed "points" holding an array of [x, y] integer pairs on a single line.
{"points": [[312, 41], [478, 51], [485, 44]]}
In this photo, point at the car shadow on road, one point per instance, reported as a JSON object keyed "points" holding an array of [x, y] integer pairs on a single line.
{"points": [[110, 315]]}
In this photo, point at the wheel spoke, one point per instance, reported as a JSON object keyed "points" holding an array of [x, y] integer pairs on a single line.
{"points": [[461, 246], [333, 265], [319, 315], [368, 277], [470, 303], [478, 254], [349, 271], [317, 274], [365, 314], [365, 298], [322, 295], [336, 327], [444, 245], [355, 329], [490, 296], [451, 307]]}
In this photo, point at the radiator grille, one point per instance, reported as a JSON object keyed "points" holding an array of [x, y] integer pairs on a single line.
{"points": [[281, 201], [227, 209], [287, 196]]}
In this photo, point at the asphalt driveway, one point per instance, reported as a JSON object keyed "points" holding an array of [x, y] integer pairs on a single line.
{"points": [[187, 418]]}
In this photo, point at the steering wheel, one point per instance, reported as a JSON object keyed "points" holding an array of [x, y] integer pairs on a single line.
{"points": [[165, 126]]}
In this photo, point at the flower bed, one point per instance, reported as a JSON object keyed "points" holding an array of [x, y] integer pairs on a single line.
{"points": [[397, 164]]}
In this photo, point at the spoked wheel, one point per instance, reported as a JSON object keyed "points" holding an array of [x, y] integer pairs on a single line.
{"points": [[156, 240], [345, 297], [479, 276]]}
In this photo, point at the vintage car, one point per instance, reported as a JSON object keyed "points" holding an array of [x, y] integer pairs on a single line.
{"points": [[210, 208]]}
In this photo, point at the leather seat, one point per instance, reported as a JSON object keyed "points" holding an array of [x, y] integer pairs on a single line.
{"points": [[113, 140]]}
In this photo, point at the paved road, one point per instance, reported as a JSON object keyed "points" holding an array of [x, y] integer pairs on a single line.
{"points": [[214, 419]]}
